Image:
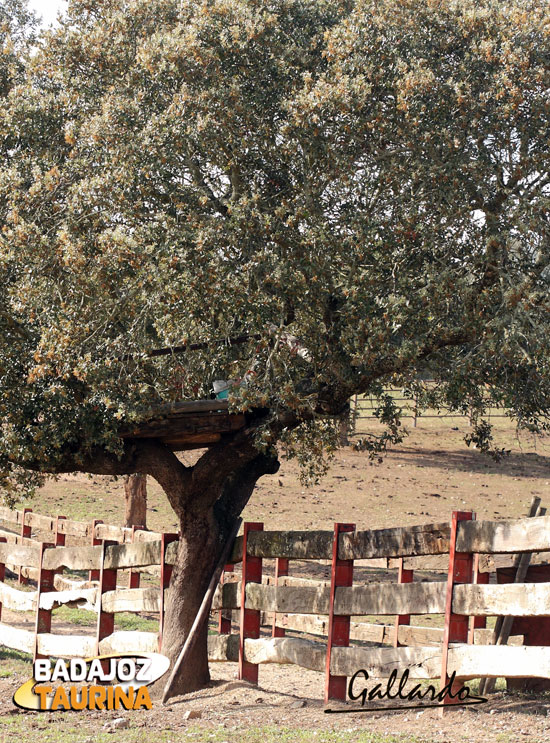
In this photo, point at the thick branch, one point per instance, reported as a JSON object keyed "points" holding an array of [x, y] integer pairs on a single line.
{"points": [[149, 456], [220, 463], [238, 488], [200, 181], [391, 365]]}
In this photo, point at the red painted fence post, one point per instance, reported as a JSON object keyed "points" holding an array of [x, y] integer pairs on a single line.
{"points": [[59, 536], [94, 574], [338, 626], [166, 538], [249, 619], [107, 582], [134, 576], [456, 625], [477, 622], [43, 623], [404, 576], [224, 615], [25, 534], [59, 539], [281, 570]]}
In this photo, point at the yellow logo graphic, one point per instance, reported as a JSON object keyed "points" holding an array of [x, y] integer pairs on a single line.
{"points": [[107, 682]]}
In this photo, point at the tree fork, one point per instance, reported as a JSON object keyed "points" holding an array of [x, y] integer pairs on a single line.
{"points": [[205, 522]]}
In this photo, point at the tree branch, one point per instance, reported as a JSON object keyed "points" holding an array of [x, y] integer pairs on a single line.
{"points": [[148, 456], [198, 177]]}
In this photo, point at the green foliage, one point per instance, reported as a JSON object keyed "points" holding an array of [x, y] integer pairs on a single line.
{"points": [[17, 29], [361, 188], [390, 416], [14, 662], [482, 438], [312, 444]]}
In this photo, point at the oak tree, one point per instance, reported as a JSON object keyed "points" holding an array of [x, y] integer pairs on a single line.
{"points": [[357, 190]]}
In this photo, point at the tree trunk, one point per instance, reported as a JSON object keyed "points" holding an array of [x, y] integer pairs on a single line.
{"points": [[135, 495], [199, 550], [204, 532], [344, 426]]}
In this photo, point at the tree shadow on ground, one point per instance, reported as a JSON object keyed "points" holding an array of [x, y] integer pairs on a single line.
{"points": [[527, 704], [515, 465]]}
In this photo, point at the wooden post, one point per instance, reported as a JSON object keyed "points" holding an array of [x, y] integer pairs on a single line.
{"points": [[354, 417], [107, 582], [281, 569], [404, 576], [25, 534], [166, 538], [477, 622], [133, 577], [59, 537], [249, 619], [521, 563], [456, 626], [338, 626], [2, 573], [224, 615], [503, 626], [43, 623], [94, 574]]}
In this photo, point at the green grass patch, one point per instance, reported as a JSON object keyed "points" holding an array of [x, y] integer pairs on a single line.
{"points": [[123, 620], [135, 622], [79, 617], [14, 662], [64, 728]]}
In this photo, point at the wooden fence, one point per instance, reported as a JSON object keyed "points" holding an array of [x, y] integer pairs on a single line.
{"points": [[363, 407], [335, 608]]}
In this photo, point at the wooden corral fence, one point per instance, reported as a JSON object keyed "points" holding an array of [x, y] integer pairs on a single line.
{"points": [[108, 551], [333, 608], [363, 407]]}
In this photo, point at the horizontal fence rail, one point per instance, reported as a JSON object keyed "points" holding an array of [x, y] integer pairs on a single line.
{"points": [[363, 408], [288, 603]]}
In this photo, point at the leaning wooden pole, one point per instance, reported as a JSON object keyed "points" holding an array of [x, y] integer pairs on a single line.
{"points": [[503, 627], [203, 611]]}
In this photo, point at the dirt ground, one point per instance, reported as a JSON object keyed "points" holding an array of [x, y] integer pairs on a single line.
{"points": [[290, 698], [421, 480]]}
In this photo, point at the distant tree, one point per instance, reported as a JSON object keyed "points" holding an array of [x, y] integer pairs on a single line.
{"points": [[135, 496], [360, 188]]}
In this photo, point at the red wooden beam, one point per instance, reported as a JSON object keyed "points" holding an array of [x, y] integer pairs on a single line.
{"points": [[94, 574], [134, 576], [249, 619], [404, 576], [166, 538], [456, 625], [224, 615], [59, 537], [43, 622], [107, 582], [338, 626], [281, 569]]}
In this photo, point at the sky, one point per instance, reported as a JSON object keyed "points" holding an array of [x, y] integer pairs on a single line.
{"points": [[47, 9]]}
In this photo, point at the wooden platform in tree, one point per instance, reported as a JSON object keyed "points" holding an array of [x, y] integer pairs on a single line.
{"points": [[189, 425]]}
